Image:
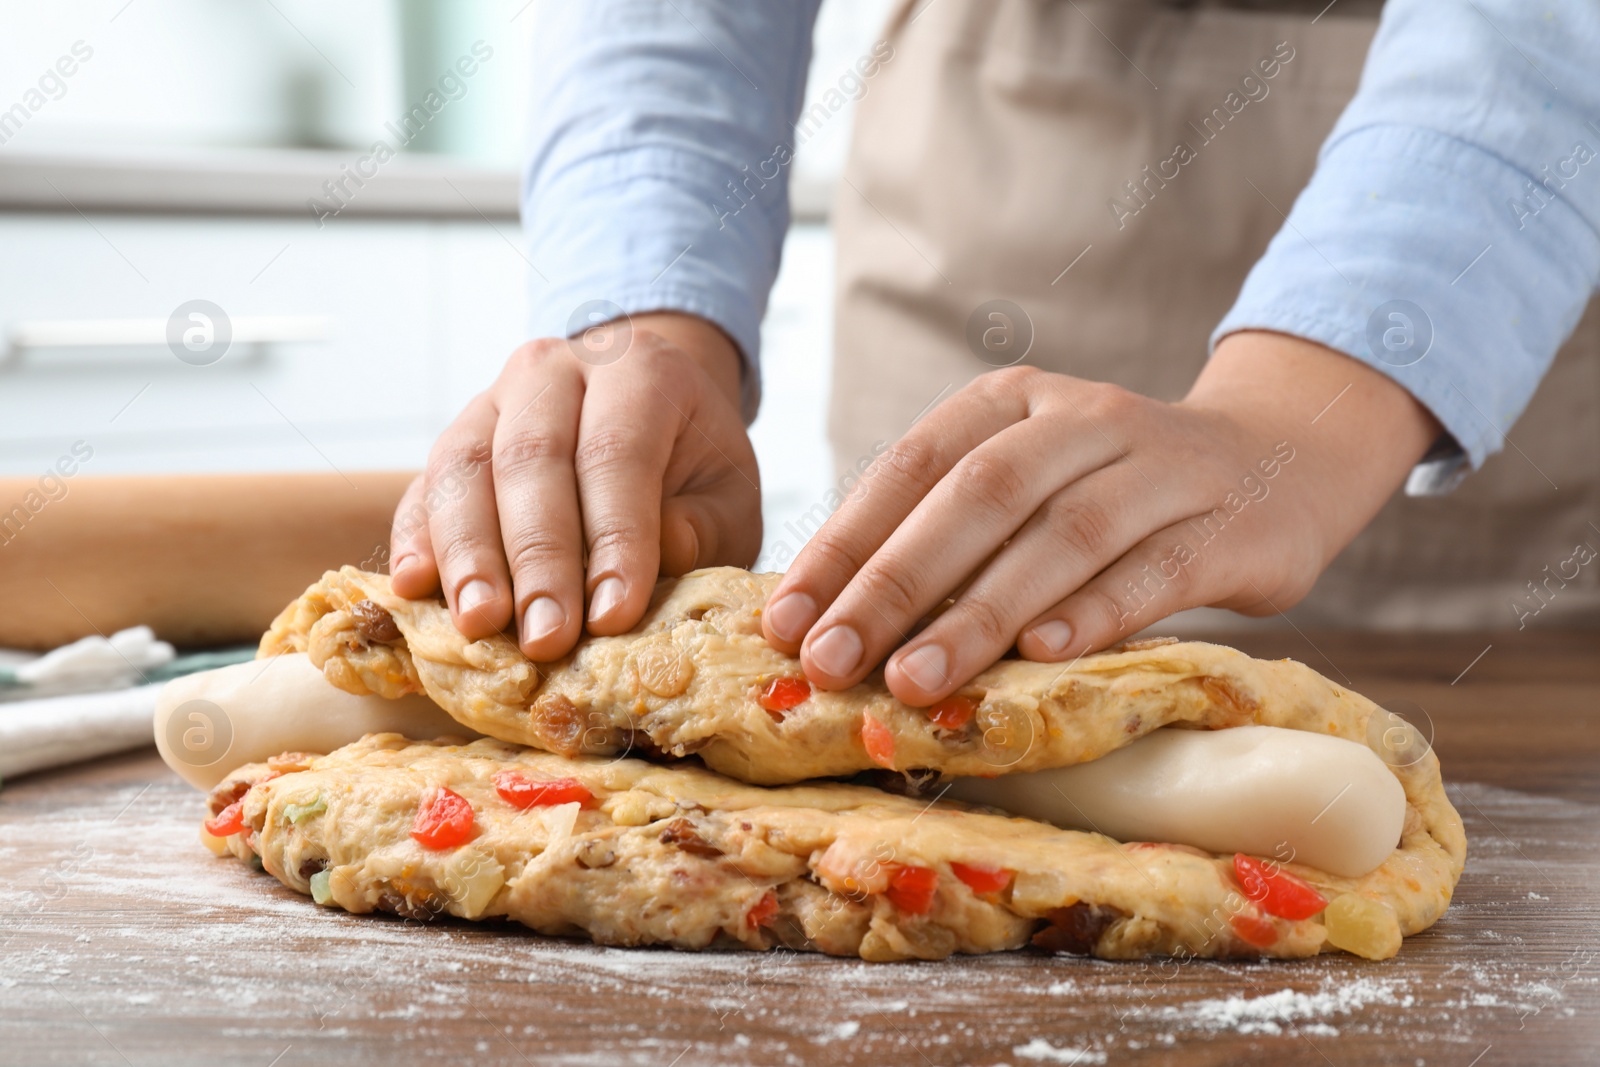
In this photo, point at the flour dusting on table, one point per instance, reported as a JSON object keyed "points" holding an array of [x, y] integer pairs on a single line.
{"points": [[137, 890], [1270, 1013]]}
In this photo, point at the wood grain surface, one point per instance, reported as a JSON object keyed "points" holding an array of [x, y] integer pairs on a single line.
{"points": [[200, 558], [123, 942]]}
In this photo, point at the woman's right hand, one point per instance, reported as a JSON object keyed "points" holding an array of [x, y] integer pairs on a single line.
{"points": [[561, 493]]}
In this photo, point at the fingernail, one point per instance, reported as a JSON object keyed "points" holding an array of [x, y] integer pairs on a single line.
{"points": [[694, 547], [791, 615], [401, 563], [606, 595], [837, 651], [543, 618], [927, 667], [1053, 635], [473, 595]]}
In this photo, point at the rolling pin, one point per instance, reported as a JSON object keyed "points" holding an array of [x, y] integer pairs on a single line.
{"points": [[202, 559]]}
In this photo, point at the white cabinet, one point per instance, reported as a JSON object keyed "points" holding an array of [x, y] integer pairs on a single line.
{"points": [[414, 316]]}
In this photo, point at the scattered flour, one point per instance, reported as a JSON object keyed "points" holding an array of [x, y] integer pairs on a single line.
{"points": [[1269, 1014], [204, 927], [839, 1032], [1042, 1050]]}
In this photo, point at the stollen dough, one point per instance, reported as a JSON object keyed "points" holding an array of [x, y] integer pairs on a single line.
{"points": [[1262, 790], [690, 679], [695, 677], [681, 856]]}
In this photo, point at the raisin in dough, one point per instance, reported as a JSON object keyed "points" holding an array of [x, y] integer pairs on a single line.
{"points": [[681, 856]]}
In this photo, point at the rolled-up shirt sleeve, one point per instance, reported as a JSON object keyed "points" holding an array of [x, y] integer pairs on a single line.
{"points": [[1450, 236], [658, 158]]}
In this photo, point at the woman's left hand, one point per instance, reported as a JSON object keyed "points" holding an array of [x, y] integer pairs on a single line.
{"points": [[1063, 515]]}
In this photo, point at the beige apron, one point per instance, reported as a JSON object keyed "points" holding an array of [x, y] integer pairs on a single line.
{"points": [[986, 153]]}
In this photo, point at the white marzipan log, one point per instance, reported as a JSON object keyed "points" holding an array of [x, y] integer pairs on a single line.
{"points": [[1262, 790], [209, 723]]}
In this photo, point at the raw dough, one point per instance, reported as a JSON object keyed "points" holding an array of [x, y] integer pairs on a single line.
{"points": [[1261, 790], [677, 855], [208, 723]]}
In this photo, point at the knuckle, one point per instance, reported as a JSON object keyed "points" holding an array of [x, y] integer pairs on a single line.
{"points": [[665, 356], [457, 456], [1104, 610], [896, 589], [910, 459], [1106, 403], [989, 483], [612, 537], [832, 554], [605, 450], [1081, 527], [534, 552], [991, 625], [1181, 570], [526, 450], [537, 352], [462, 551], [1012, 381]]}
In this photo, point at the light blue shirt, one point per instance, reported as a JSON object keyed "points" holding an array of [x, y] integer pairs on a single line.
{"points": [[1450, 236]]}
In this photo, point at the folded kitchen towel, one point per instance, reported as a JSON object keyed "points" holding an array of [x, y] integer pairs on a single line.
{"points": [[90, 698], [114, 662], [35, 734], [98, 663]]}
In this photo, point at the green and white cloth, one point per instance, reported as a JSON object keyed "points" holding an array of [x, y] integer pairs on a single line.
{"points": [[91, 698]]}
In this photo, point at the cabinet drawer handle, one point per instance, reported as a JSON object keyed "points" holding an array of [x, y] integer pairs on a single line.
{"points": [[46, 334]]}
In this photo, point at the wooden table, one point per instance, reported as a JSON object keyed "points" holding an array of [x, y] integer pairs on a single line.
{"points": [[123, 942]]}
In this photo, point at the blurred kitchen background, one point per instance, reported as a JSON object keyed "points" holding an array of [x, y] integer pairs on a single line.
{"points": [[155, 153]]}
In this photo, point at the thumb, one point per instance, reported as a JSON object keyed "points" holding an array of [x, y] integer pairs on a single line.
{"points": [[716, 526]]}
